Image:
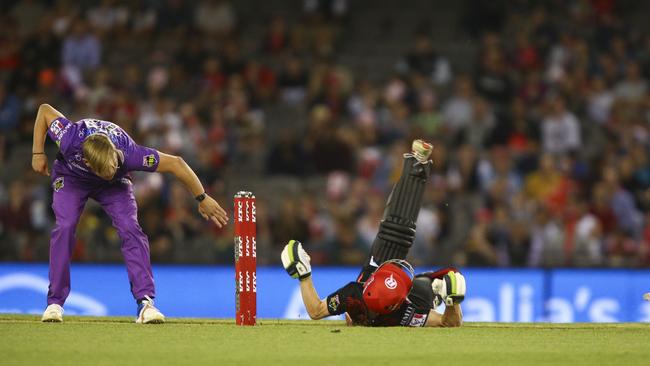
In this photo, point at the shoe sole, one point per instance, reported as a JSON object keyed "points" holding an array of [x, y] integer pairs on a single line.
{"points": [[155, 321], [52, 320]]}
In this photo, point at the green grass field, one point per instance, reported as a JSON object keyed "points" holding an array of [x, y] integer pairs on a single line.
{"points": [[117, 341]]}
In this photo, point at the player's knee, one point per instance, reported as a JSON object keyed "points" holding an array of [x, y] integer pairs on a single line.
{"points": [[129, 228], [66, 224]]}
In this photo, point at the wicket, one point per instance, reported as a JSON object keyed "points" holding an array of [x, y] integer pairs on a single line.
{"points": [[245, 258]]}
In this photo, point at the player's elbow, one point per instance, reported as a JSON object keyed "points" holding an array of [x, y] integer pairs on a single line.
{"points": [[46, 110], [317, 311], [314, 314], [452, 323], [170, 164], [178, 161]]}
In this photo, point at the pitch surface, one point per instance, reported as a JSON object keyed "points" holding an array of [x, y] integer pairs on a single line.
{"points": [[117, 341]]}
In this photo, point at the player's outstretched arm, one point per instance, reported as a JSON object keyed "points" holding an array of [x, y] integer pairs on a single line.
{"points": [[452, 317], [450, 288], [316, 308], [208, 207], [44, 117], [296, 262]]}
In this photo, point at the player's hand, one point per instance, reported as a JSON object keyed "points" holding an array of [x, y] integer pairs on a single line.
{"points": [[39, 164], [210, 210], [450, 288], [295, 260]]}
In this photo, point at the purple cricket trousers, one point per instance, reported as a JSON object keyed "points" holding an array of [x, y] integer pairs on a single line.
{"points": [[117, 200]]}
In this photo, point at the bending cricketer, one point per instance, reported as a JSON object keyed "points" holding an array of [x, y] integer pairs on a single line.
{"points": [[387, 292], [94, 161]]}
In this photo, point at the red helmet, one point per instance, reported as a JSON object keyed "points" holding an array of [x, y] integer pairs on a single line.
{"points": [[386, 289]]}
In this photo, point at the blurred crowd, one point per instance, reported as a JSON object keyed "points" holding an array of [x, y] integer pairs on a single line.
{"points": [[541, 145]]}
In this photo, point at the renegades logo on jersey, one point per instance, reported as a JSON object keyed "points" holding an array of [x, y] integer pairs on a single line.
{"points": [[333, 304], [149, 160]]}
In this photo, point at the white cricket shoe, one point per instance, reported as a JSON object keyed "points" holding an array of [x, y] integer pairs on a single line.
{"points": [[53, 314], [421, 150], [149, 314]]}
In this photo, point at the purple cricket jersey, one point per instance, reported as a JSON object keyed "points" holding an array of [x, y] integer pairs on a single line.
{"points": [[69, 136]]}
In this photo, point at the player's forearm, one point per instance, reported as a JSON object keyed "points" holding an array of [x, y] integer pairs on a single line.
{"points": [[40, 130], [186, 175], [452, 317], [45, 115], [310, 298]]}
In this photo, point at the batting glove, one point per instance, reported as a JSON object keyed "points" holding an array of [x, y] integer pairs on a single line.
{"points": [[295, 260], [450, 288]]}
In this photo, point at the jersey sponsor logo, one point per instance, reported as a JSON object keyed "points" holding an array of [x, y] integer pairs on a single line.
{"points": [[98, 126], [408, 314], [418, 320], [333, 303], [149, 160], [58, 184], [390, 283], [72, 164], [58, 129]]}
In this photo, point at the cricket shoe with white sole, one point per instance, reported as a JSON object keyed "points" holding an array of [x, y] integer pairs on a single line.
{"points": [[53, 314], [421, 150], [148, 314]]}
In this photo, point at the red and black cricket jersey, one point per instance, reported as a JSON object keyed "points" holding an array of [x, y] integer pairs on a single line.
{"points": [[412, 313]]}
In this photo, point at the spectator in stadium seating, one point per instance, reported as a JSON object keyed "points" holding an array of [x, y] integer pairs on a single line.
{"points": [[287, 155], [215, 17], [293, 81], [81, 48], [427, 119], [478, 131], [28, 15], [173, 15], [628, 218], [633, 88], [15, 223], [276, 38], [425, 60], [600, 101], [547, 241], [560, 128], [542, 183], [9, 110], [587, 238], [518, 250], [457, 110], [107, 15], [492, 80], [480, 251]]}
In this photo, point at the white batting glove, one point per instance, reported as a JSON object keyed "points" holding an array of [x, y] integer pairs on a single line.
{"points": [[295, 260], [451, 288]]}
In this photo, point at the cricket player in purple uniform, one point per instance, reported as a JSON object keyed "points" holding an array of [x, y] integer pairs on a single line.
{"points": [[94, 161]]}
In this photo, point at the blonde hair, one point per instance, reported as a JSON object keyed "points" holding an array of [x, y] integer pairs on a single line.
{"points": [[99, 152]]}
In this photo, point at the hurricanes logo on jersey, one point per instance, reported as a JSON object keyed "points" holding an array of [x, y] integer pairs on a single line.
{"points": [[58, 184], [149, 161]]}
